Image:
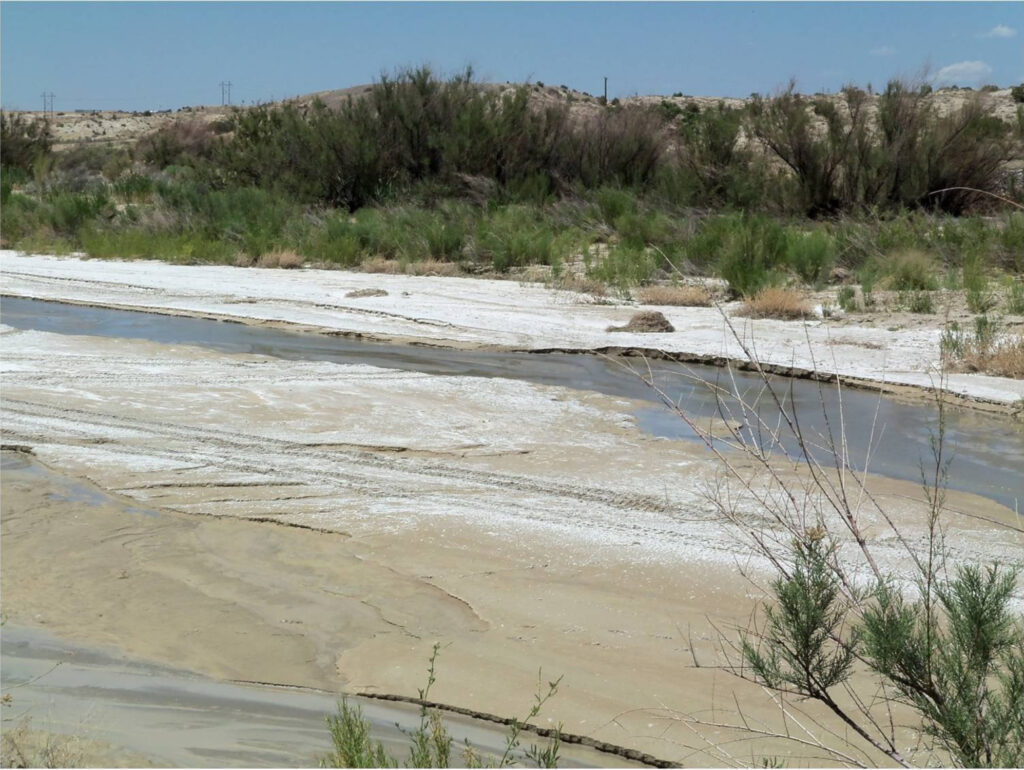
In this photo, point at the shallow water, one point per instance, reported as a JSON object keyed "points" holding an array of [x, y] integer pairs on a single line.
{"points": [[62, 488], [987, 452], [177, 719]]}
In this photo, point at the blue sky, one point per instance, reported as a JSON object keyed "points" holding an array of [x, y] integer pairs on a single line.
{"points": [[167, 55]]}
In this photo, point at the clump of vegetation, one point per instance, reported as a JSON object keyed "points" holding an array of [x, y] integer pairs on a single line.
{"points": [[916, 157], [985, 348], [1015, 297], [287, 260], [646, 322], [431, 743], [23, 143], [179, 143], [956, 655], [21, 746], [752, 253], [847, 299], [916, 301], [678, 295], [775, 302]]}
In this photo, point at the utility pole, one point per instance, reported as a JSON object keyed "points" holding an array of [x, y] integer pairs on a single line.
{"points": [[606, 89], [225, 87]]}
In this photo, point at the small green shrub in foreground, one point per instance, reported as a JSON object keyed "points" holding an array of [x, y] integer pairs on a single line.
{"points": [[430, 743]]}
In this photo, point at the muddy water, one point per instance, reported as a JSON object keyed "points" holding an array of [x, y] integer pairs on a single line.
{"points": [[987, 452]]}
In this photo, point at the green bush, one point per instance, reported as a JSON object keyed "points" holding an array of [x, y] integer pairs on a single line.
{"points": [[67, 212], [140, 243], [515, 237], [712, 168], [847, 299], [336, 242], [184, 142], [1011, 243], [902, 271], [23, 142], [1015, 297], [916, 301], [751, 253], [810, 254], [614, 204], [912, 153], [626, 265], [134, 187], [647, 229]]}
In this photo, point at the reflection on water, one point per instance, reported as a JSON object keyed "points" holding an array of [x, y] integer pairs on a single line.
{"points": [[987, 452]]}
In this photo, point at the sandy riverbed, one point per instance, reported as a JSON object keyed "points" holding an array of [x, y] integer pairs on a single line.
{"points": [[521, 526], [476, 313]]}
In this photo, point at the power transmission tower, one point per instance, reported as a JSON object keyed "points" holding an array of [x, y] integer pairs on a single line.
{"points": [[48, 105], [225, 88]]}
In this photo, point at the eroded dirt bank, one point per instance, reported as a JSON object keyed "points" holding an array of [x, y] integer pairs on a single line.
{"points": [[475, 313], [521, 526]]}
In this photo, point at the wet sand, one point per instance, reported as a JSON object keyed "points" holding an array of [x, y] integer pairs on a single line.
{"points": [[94, 707], [258, 602]]}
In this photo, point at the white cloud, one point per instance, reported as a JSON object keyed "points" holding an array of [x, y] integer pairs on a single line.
{"points": [[883, 50], [1000, 30], [962, 72]]}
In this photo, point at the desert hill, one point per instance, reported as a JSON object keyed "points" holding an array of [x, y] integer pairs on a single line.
{"points": [[124, 128]]}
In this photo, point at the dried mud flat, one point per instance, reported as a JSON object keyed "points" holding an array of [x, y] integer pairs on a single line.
{"points": [[521, 526]]}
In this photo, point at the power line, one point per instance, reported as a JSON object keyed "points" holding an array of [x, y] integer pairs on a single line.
{"points": [[225, 87]]}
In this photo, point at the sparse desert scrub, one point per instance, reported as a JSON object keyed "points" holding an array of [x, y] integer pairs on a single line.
{"points": [[21, 746], [1015, 297], [433, 267], [286, 260], [581, 284], [430, 744], [986, 349], [381, 265], [775, 302], [678, 295], [179, 143]]}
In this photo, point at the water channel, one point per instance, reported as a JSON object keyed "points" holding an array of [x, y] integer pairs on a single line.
{"points": [[987, 451]]}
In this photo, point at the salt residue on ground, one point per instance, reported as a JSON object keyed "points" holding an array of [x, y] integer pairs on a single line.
{"points": [[492, 314]]}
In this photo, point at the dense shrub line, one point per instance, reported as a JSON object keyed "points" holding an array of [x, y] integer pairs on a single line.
{"points": [[824, 156], [424, 170], [416, 127]]}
